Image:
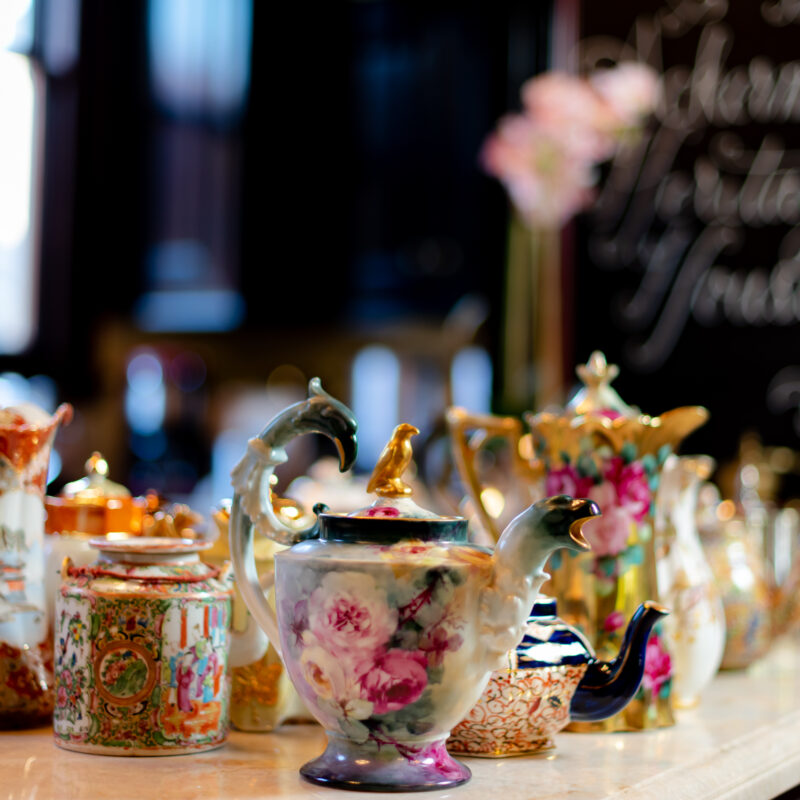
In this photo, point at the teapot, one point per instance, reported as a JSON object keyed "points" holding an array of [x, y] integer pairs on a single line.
{"points": [[551, 677], [388, 620], [600, 447]]}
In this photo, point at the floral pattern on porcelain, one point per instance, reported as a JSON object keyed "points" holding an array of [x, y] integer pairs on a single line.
{"points": [[519, 712], [367, 651], [625, 487], [141, 667]]}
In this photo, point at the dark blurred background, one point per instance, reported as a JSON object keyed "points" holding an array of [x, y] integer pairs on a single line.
{"points": [[229, 197]]}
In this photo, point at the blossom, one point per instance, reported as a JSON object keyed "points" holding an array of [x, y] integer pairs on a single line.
{"points": [[567, 481], [631, 90], [436, 641], [613, 622], [397, 678], [61, 697], [630, 482], [547, 182], [324, 673], [657, 665], [349, 614], [571, 109], [607, 534]]}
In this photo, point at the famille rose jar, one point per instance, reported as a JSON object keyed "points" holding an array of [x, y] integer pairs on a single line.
{"points": [[388, 621], [551, 677], [26, 659], [601, 448], [141, 650]]}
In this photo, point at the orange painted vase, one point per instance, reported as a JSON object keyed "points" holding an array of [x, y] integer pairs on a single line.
{"points": [[142, 641]]}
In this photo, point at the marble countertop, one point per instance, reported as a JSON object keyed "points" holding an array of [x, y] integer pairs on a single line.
{"points": [[741, 743]]}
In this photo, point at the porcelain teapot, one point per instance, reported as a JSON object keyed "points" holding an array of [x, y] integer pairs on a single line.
{"points": [[388, 621], [551, 677]]}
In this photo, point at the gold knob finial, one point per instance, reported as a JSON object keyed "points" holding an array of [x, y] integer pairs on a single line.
{"points": [[597, 371], [96, 465], [386, 480]]}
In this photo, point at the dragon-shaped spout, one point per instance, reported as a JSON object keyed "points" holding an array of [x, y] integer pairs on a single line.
{"points": [[519, 558]]}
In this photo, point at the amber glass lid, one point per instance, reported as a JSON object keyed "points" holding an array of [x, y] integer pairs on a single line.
{"points": [[94, 505], [96, 487]]}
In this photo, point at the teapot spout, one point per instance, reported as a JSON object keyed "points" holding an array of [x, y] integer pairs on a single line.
{"points": [[608, 686], [518, 562]]}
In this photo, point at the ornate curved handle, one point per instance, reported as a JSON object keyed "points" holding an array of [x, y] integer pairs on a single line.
{"points": [[469, 433], [253, 506], [251, 477]]}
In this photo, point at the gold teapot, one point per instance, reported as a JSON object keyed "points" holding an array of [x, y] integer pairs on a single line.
{"points": [[601, 448]]}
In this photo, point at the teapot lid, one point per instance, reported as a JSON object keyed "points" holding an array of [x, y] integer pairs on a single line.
{"points": [[394, 515]]}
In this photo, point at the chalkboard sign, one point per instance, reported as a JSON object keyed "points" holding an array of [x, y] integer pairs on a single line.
{"points": [[687, 270]]}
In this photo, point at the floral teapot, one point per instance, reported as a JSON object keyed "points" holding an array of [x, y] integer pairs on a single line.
{"points": [[601, 448], [388, 621]]}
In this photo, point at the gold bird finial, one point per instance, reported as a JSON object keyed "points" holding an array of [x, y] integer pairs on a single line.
{"points": [[392, 463]]}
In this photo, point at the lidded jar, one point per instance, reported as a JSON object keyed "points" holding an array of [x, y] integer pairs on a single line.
{"points": [[89, 507], [141, 650]]}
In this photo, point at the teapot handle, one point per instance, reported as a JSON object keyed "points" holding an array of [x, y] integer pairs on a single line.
{"points": [[252, 477], [254, 588], [469, 433]]}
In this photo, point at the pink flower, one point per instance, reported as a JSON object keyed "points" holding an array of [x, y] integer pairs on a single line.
{"points": [[567, 481], [436, 756], [349, 614], [61, 697], [575, 112], [547, 182], [657, 665], [631, 90], [613, 622], [630, 481], [66, 678], [397, 678], [608, 534], [383, 511], [436, 642]]}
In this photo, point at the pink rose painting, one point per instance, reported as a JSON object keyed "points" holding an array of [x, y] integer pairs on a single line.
{"points": [[608, 534], [566, 480], [348, 614], [657, 665], [354, 660], [397, 678]]}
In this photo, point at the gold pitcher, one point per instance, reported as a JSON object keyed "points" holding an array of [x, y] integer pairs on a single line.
{"points": [[601, 448]]}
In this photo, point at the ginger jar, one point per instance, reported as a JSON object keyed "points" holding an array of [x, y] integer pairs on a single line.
{"points": [[141, 650]]}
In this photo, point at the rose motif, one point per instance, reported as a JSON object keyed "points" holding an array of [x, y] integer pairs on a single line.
{"points": [[397, 679], [348, 614], [567, 481], [657, 665], [608, 534], [630, 482]]}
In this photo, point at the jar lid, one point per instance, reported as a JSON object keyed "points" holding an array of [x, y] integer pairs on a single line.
{"points": [[96, 487], [394, 515], [149, 545]]}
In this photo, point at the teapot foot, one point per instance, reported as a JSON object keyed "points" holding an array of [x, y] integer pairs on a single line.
{"points": [[379, 765]]}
